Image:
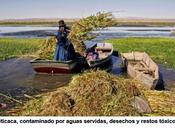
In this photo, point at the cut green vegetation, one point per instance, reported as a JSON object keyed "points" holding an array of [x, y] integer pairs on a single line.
{"points": [[85, 95], [79, 33], [104, 95], [13, 47], [161, 50]]}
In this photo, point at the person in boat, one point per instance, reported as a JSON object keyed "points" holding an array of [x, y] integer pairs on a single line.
{"points": [[64, 49], [91, 54]]}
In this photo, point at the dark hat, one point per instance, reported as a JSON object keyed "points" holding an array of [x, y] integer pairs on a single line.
{"points": [[61, 23]]}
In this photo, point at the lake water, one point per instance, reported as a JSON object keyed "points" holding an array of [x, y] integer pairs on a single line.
{"points": [[110, 32], [18, 78]]}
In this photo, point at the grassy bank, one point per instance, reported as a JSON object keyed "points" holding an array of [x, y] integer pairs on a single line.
{"points": [[27, 24], [13, 47], [119, 22], [34, 22], [145, 22], [161, 50]]}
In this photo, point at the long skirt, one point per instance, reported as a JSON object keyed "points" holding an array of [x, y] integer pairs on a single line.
{"points": [[60, 53]]}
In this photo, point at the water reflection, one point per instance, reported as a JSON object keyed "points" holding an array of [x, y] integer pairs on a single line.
{"points": [[44, 82], [17, 76], [117, 65]]}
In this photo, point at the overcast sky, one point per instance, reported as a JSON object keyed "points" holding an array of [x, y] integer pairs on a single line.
{"points": [[14, 9]]}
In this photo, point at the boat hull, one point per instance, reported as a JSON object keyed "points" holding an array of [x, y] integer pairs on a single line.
{"points": [[97, 63], [51, 67], [140, 73]]}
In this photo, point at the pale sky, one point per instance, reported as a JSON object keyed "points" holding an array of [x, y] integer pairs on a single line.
{"points": [[15, 9]]}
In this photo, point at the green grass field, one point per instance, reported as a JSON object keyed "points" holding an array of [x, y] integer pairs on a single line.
{"points": [[13, 47], [161, 50]]}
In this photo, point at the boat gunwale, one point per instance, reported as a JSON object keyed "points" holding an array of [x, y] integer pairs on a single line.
{"points": [[51, 61]]}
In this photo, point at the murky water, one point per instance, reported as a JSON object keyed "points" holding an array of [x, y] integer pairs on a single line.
{"points": [[168, 76], [17, 75], [18, 78]]}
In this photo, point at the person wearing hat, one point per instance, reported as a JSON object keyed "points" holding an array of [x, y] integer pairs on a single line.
{"points": [[62, 24], [64, 50]]}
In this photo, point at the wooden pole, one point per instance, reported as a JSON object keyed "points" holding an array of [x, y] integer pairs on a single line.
{"points": [[10, 98]]}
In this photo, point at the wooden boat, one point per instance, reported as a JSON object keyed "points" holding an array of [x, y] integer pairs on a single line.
{"points": [[141, 67], [49, 66], [104, 52]]}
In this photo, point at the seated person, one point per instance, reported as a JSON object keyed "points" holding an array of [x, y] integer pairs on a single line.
{"points": [[91, 54]]}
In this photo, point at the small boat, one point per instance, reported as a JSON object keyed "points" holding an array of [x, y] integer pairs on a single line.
{"points": [[104, 54], [50, 66], [141, 67]]}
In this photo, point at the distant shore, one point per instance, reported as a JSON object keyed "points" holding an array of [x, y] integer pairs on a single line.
{"points": [[119, 22]]}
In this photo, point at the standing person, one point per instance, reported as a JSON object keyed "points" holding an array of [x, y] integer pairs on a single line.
{"points": [[62, 24], [61, 43], [64, 49]]}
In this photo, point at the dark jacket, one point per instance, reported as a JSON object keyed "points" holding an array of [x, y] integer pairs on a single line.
{"points": [[61, 38]]}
